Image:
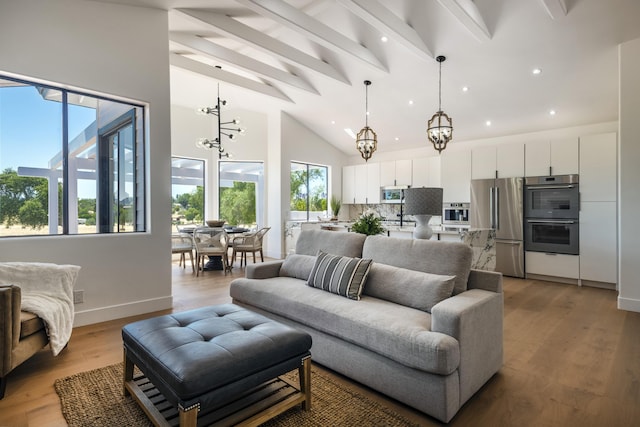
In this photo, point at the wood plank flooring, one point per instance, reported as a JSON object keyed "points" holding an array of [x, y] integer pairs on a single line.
{"points": [[571, 359]]}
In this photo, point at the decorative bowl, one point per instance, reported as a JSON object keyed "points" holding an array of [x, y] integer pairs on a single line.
{"points": [[215, 222]]}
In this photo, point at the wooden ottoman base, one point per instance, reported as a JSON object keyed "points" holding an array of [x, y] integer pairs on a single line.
{"points": [[251, 409]]}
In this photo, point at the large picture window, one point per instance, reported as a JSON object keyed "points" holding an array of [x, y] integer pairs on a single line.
{"points": [[242, 193], [187, 189], [309, 188], [70, 162]]}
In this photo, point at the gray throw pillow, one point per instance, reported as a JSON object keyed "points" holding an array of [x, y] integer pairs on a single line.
{"points": [[297, 266], [339, 275], [408, 287]]}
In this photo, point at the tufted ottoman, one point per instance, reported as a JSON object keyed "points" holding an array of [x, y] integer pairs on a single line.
{"points": [[213, 363]]}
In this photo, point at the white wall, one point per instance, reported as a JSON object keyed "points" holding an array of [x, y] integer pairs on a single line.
{"points": [[117, 50], [629, 177]]}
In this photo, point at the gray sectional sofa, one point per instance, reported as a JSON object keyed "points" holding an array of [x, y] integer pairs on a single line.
{"points": [[427, 330]]}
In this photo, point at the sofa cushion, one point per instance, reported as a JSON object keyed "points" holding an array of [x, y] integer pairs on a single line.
{"points": [[339, 275], [408, 287], [298, 266], [392, 330], [29, 324], [429, 256], [346, 244]]}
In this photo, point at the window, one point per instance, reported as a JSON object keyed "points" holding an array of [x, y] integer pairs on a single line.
{"points": [[309, 190], [242, 193], [187, 189], [70, 162]]}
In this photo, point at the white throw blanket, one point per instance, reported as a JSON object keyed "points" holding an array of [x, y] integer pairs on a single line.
{"points": [[47, 291]]}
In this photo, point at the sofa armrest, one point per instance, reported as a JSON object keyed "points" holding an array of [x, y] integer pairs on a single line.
{"points": [[264, 270], [10, 298], [487, 280], [475, 319]]}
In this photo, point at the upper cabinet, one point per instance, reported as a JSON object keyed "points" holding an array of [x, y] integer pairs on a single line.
{"points": [[426, 172], [503, 161], [456, 175], [557, 157], [395, 172], [361, 184], [598, 160]]}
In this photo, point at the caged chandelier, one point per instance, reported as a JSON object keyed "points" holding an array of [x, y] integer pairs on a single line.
{"points": [[223, 128], [366, 140], [440, 127]]}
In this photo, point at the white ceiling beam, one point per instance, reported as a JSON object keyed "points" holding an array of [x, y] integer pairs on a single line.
{"points": [[555, 8], [302, 23], [467, 13], [193, 66], [204, 47], [247, 35], [379, 17]]}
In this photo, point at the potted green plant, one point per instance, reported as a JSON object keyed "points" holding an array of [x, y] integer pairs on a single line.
{"points": [[336, 204], [369, 223]]}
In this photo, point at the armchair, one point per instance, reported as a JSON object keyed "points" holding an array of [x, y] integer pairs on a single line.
{"points": [[249, 243], [22, 334]]}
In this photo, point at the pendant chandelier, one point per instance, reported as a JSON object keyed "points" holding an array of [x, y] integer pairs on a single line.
{"points": [[223, 128], [440, 126], [366, 140]]}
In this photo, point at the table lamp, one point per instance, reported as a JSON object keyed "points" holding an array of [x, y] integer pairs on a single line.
{"points": [[423, 203]]}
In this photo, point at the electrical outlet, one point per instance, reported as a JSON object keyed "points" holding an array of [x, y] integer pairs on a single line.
{"points": [[78, 296]]}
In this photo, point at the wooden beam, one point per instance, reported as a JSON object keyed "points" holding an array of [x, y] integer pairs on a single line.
{"points": [[379, 17], [247, 35], [555, 8], [468, 15], [322, 34], [204, 47], [180, 61]]}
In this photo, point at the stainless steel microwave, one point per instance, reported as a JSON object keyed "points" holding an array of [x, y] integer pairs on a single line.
{"points": [[392, 194]]}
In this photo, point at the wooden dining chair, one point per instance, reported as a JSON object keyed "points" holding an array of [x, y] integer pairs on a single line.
{"points": [[182, 243], [211, 242], [249, 243]]}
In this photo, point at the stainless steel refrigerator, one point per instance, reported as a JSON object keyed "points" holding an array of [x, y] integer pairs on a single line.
{"points": [[498, 203]]}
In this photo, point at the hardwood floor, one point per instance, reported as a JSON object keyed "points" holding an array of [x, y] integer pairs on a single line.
{"points": [[571, 359]]}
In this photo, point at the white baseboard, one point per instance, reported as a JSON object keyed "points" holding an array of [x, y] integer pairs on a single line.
{"points": [[103, 314], [629, 304]]}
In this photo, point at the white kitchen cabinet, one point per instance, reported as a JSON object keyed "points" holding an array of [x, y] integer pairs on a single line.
{"points": [[425, 172], [556, 157], [373, 183], [456, 175], [348, 185], [598, 242], [395, 173], [598, 171], [555, 265], [361, 189], [505, 161]]}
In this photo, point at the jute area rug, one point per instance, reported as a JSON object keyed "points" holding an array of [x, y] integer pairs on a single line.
{"points": [[95, 399]]}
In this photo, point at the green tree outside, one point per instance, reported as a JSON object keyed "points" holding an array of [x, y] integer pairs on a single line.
{"points": [[15, 191], [238, 204]]}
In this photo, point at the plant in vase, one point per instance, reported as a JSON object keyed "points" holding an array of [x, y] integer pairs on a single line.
{"points": [[336, 204], [369, 223]]}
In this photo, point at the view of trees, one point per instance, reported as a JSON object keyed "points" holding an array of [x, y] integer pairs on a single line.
{"points": [[300, 184], [23, 200], [190, 206], [238, 203]]}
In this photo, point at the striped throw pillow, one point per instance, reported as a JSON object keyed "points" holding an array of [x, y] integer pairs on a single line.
{"points": [[339, 275]]}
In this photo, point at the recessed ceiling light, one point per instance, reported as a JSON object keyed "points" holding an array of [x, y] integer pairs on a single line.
{"points": [[411, 102], [465, 88], [350, 133], [536, 71], [333, 122], [552, 112], [397, 139], [384, 39], [488, 123]]}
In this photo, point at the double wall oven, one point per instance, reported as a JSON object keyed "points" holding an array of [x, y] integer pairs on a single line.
{"points": [[552, 209]]}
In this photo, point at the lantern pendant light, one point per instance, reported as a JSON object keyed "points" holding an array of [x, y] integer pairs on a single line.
{"points": [[440, 126], [366, 140]]}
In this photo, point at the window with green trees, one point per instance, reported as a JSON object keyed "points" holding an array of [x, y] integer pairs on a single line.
{"points": [[187, 189], [70, 162], [241, 193], [309, 188]]}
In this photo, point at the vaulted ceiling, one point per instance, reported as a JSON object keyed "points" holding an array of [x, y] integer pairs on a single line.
{"points": [[309, 58]]}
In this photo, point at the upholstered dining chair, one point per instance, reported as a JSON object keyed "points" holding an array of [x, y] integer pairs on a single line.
{"points": [[251, 242], [211, 242], [182, 243]]}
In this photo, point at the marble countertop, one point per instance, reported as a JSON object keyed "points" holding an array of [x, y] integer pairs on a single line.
{"points": [[436, 229]]}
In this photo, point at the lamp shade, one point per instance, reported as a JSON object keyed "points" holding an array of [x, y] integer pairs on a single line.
{"points": [[423, 201]]}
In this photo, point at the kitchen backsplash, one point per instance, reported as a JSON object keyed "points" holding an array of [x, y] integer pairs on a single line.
{"points": [[388, 211]]}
